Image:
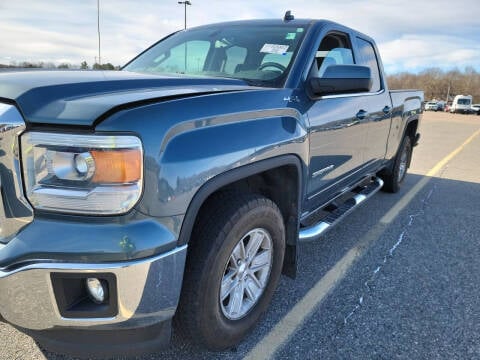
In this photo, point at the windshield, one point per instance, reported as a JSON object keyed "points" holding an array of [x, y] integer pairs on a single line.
{"points": [[259, 54], [463, 101]]}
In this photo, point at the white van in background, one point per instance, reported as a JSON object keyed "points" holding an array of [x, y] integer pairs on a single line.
{"points": [[461, 104]]}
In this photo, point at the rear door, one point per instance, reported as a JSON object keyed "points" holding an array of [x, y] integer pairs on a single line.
{"points": [[377, 103]]}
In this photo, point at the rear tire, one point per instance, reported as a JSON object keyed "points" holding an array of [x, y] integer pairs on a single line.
{"points": [[394, 179], [233, 267]]}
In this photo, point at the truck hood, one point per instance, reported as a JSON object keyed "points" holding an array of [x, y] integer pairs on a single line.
{"points": [[81, 97]]}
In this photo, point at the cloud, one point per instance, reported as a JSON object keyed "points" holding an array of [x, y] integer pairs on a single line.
{"points": [[44, 45], [439, 33], [417, 52]]}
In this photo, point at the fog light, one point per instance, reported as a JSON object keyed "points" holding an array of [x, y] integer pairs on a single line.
{"points": [[97, 289]]}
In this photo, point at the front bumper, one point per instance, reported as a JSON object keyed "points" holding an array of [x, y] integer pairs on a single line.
{"points": [[147, 292]]}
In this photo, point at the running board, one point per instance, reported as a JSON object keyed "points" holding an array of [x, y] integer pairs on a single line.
{"points": [[313, 232]]}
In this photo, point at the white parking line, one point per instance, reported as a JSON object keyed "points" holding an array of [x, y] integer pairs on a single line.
{"points": [[285, 328]]}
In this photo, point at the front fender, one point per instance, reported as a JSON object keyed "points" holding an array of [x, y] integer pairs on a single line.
{"points": [[189, 141], [191, 157]]}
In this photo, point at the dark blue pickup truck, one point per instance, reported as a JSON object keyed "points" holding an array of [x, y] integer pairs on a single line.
{"points": [[177, 190]]}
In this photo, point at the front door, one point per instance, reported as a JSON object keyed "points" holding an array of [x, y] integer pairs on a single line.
{"points": [[338, 128], [337, 142]]}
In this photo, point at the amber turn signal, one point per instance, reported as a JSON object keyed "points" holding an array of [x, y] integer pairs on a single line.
{"points": [[117, 166]]}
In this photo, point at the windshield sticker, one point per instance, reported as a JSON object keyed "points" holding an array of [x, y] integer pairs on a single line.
{"points": [[299, 30], [274, 49], [290, 36]]}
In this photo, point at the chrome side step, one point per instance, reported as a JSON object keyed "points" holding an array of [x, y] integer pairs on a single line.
{"points": [[313, 232]]}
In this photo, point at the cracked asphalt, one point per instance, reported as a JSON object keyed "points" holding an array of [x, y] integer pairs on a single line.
{"points": [[413, 292]]}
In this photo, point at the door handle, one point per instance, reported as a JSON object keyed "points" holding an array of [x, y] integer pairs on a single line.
{"points": [[361, 115], [386, 109]]}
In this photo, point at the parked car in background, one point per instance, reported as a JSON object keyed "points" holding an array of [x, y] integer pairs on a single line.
{"points": [[475, 109], [441, 105], [461, 104], [431, 106]]}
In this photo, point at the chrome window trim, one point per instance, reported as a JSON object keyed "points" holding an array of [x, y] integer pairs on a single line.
{"points": [[339, 96]]}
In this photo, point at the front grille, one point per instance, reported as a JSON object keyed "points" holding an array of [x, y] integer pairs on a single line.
{"points": [[15, 211]]}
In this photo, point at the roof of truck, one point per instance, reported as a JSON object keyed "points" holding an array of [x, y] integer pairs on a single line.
{"points": [[281, 22]]}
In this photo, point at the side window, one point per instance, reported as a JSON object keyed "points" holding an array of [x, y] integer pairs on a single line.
{"points": [[187, 57], [236, 55], [335, 49], [368, 58]]}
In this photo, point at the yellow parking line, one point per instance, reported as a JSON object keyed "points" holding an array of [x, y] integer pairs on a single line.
{"points": [[400, 205], [287, 326]]}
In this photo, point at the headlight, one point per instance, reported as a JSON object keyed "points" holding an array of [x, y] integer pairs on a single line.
{"points": [[83, 174]]}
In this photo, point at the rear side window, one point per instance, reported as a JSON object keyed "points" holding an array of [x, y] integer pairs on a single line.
{"points": [[368, 58]]}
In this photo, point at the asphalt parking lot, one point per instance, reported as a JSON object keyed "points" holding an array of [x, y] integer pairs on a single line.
{"points": [[397, 279]]}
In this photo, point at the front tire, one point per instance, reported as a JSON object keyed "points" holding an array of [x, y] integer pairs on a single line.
{"points": [[233, 267]]}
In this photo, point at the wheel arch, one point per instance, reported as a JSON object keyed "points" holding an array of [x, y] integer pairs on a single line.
{"points": [[410, 129], [263, 177]]}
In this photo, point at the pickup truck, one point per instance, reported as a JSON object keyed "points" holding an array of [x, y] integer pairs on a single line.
{"points": [[174, 193]]}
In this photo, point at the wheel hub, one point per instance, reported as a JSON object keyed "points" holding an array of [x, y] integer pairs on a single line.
{"points": [[402, 169], [242, 270], [246, 274]]}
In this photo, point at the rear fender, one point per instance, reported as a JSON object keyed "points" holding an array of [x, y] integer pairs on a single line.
{"points": [[402, 116]]}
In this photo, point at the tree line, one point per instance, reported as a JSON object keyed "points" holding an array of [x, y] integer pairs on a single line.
{"points": [[435, 82], [50, 65], [438, 84]]}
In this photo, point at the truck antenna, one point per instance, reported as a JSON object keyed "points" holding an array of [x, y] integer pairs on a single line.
{"points": [[288, 16]]}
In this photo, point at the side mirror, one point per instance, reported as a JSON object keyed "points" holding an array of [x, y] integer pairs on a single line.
{"points": [[342, 79]]}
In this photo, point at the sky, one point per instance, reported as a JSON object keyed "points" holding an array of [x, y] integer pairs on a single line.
{"points": [[411, 35]]}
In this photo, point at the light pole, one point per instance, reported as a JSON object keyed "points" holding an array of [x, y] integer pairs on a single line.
{"points": [[185, 3], [185, 27], [448, 91], [98, 30]]}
